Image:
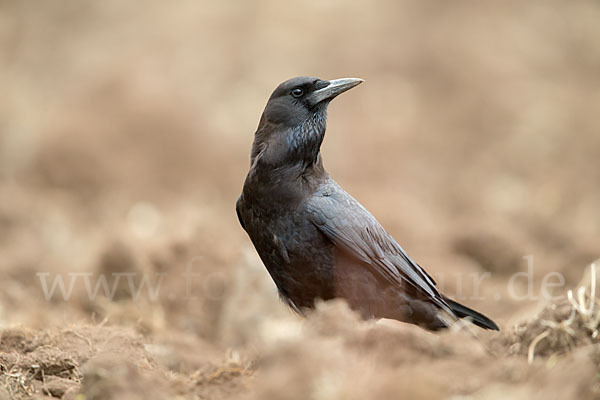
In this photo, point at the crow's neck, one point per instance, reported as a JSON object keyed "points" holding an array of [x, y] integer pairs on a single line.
{"points": [[286, 165], [280, 189], [296, 148]]}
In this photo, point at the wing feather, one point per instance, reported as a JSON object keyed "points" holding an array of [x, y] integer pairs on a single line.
{"points": [[348, 225]]}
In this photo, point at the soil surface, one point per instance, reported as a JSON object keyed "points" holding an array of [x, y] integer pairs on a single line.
{"points": [[125, 133]]}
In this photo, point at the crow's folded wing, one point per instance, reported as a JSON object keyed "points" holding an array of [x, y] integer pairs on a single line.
{"points": [[349, 226]]}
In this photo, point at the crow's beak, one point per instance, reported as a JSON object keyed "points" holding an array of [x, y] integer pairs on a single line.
{"points": [[335, 87]]}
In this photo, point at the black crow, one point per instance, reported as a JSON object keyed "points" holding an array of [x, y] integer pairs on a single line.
{"points": [[316, 240]]}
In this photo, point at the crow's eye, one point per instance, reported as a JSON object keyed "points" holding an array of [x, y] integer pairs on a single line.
{"points": [[297, 92]]}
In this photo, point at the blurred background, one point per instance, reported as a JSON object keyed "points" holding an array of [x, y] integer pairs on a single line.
{"points": [[125, 130]]}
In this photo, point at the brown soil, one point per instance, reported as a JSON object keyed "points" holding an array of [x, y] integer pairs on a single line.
{"points": [[124, 140]]}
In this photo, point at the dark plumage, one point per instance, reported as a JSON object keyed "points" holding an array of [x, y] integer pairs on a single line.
{"points": [[315, 239]]}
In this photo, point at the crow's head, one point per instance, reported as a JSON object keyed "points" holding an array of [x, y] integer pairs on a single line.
{"points": [[292, 125]]}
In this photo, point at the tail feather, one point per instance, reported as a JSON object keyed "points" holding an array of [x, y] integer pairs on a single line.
{"points": [[477, 318]]}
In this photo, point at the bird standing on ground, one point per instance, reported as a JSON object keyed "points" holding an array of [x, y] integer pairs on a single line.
{"points": [[317, 241]]}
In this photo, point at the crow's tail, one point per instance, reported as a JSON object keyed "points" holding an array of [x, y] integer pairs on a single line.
{"points": [[477, 318]]}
